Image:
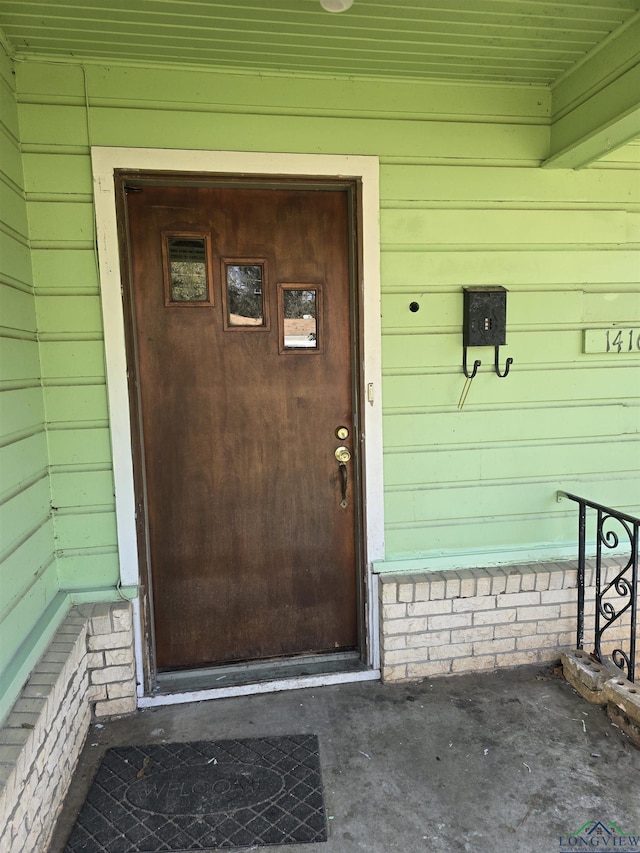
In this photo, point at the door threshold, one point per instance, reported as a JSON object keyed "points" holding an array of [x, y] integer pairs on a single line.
{"points": [[249, 679]]}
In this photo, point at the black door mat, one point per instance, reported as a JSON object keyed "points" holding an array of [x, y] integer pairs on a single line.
{"points": [[205, 795]]}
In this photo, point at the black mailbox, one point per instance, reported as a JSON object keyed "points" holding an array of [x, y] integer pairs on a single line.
{"points": [[485, 317], [484, 324]]}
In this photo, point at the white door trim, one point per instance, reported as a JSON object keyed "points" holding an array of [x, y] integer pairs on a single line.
{"points": [[365, 169]]}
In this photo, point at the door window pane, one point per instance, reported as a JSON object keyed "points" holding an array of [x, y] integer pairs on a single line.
{"points": [[299, 318], [188, 269], [245, 294]]}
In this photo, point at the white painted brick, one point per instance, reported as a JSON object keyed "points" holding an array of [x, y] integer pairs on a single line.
{"points": [[394, 673], [122, 689], [518, 599], [95, 660], [115, 707], [553, 625], [118, 657], [23, 739], [467, 584], [452, 586], [542, 579], [483, 584], [55, 657], [121, 616], [64, 646], [475, 664], [570, 578], [556, 579], [394, 611], [567, 639], [19, 840], [449, 620], [422, 591], [9, 753], [39, 692], [49, 667], [466, 605], [470, 635], [406, 626], [549, 611], [457, 650], [389, 593], [437, 589], [498, 582], [108, 641], [29, 705], [539, 641], [430, 638], [403, 656], [513, 582], [43, 681], [527, 580], [517, 658], [514, 629], [396, 642], [405, 592], [5, 837], [111, 673], [101, 619], [557, 596], [426, 669], [488, 647], [430, 608], [494, 617]]}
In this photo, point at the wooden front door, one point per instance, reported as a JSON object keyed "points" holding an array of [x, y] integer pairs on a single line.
{"points": [[241, 333]]}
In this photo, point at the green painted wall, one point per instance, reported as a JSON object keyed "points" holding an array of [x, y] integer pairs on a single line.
{"points": [[463, 203], [30, 606]]}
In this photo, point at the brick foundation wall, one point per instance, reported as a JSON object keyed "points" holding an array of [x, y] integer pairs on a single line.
{"points": [[110, 659], [442, 623], [88, 668]]}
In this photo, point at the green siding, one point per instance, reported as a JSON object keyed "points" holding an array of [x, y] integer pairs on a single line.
{"points": [[463, 202], [30, 607]]}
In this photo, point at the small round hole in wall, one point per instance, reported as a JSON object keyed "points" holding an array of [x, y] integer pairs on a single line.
{"points": [[414, 306]]}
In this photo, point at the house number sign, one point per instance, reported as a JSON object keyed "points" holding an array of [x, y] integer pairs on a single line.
{"points": [[613, 340]]}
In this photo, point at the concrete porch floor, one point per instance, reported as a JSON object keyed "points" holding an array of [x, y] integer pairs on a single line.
{"points": [[487, 763]]}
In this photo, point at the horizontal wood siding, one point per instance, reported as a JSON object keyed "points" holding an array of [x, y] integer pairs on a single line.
{"points": [[28, 578], [463, 203]]}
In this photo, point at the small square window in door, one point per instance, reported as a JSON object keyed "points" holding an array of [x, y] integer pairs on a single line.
{"points": [[299, 315], [243, 294], [187, 269]]}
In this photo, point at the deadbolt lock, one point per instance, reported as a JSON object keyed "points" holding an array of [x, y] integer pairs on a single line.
{"points": [[342, 432], [343, 454]]}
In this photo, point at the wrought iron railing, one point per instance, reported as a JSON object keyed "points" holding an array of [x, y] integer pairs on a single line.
{"points": [[614, 596]]}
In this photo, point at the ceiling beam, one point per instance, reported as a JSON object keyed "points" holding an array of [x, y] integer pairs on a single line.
{"points": [[596, 105]]}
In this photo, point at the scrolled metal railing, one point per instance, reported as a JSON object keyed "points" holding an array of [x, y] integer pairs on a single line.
{"points": [[618, 595]]}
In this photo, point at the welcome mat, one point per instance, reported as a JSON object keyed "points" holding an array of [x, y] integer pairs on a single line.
{"points": [[205, 795]]}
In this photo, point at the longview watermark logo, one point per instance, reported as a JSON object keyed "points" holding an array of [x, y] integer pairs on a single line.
{"points": [[595, 835]]}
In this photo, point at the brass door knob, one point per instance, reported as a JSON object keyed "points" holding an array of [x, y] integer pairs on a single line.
{"points": [[343, 454]]}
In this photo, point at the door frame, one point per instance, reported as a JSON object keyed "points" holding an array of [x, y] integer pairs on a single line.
{"points": [[229, 164]]}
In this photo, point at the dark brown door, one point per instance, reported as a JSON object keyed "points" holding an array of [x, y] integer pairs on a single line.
{"points": [[241, 326]]}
